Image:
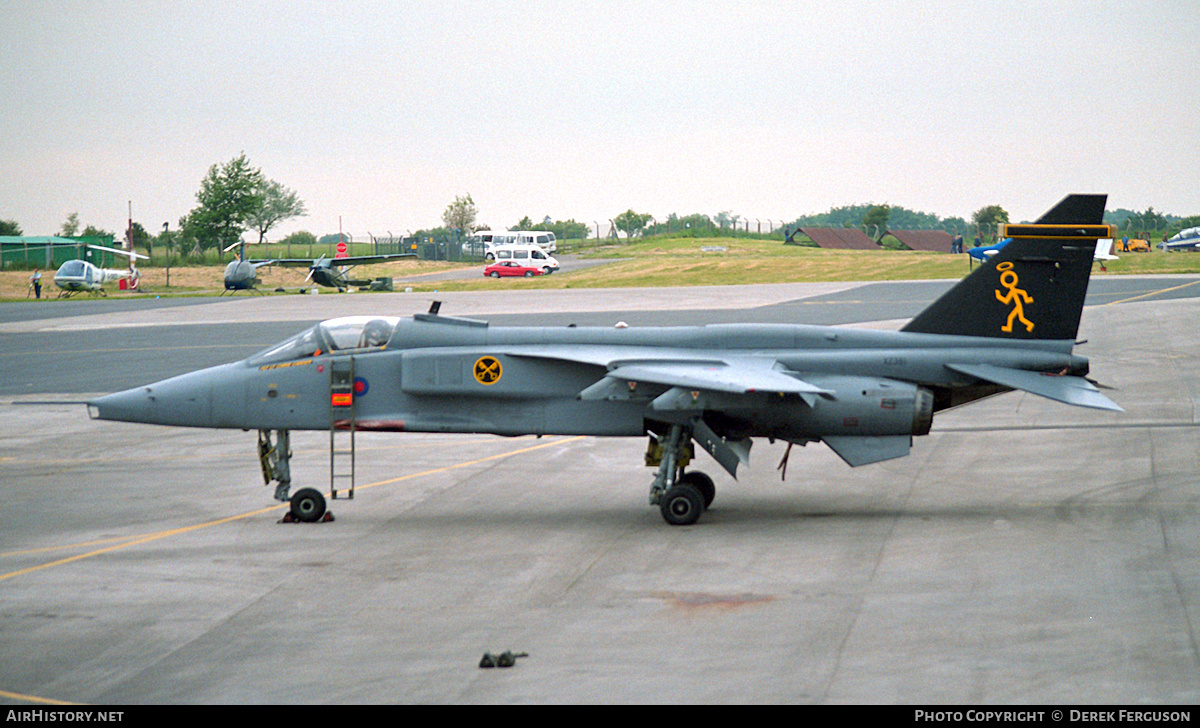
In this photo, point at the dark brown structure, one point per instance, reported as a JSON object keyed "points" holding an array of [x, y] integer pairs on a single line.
{"points": [[840, 238], [936, 241]]}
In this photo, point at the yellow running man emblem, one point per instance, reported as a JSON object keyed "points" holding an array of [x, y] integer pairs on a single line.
{"points": [[1016, 297], [487, 370]]}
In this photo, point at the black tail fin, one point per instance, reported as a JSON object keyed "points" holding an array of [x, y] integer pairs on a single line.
{"points": [[1033, 288]]}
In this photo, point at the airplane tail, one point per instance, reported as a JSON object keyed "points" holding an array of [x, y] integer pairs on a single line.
{"points": [[1034, 287]]}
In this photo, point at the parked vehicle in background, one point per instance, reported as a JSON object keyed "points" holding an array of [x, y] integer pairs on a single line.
{"points": [[484, 242], [1131, 245], [541, 238], [511, 268], [525, 255]]}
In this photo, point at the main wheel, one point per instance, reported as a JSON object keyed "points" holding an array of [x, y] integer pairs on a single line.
{"points": [[703, 483], [308, 505], [682, 504]]}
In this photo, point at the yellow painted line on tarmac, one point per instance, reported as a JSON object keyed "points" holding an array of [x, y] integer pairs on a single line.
{"points": [[1152, 293], [136, 541], [500, 456], [34, 699], [158, 535]]}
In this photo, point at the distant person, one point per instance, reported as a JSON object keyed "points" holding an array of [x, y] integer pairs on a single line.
{"points": [[35, 281], [956, 244], [1125, 244], [978, 241]]}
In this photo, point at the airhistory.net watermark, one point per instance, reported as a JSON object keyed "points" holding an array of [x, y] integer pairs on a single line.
{"points": [[64, 716]]}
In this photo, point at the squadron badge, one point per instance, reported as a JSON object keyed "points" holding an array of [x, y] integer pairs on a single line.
{"points": [[487, 370]]}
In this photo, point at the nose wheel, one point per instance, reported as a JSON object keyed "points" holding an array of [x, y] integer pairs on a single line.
{"points": [[308, 505]]}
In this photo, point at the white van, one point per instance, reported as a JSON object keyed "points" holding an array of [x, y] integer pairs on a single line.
{"points": [[543, 238], [487, 240], [530, 255]]}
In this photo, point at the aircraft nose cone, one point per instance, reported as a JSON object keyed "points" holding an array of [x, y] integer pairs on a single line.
{"points": [[184, 401], [132, 405]]}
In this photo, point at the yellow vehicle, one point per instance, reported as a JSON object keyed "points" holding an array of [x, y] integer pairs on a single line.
{"points": [[1131, 246]]}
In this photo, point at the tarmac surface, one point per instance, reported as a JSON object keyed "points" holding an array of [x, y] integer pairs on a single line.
{"points": [[1026, 552]]}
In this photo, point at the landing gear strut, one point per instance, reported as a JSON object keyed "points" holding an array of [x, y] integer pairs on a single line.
{"points": [[274, 456], [681, 497]]}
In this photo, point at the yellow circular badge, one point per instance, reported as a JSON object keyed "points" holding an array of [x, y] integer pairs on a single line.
{"points": [[487, 370]]}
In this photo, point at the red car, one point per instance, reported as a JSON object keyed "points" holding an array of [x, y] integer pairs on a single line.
{"points": [[511, 268]]}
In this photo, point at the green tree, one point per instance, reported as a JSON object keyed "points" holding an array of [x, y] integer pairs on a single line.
{"points": [[230, 195], [10, 227], [726, 219], [70, 226], [300, 237], [137, 237], [632, 223], [1151, 220], [460, 215], [278, 204], [989, 217], [91, 231], [877, 215]]}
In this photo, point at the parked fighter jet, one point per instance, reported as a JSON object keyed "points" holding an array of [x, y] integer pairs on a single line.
{"points": [[1188, 239], [80, 276], [1009, 325]]}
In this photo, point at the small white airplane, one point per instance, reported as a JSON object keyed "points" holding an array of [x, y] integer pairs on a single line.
{"points": [[1104, 252], [78, 276]]}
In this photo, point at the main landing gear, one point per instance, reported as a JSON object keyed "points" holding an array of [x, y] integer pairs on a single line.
{"points": [[681, 497], [274, 455]]}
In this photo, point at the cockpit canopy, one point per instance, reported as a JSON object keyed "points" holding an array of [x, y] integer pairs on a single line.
{"points": [[73, 269], [350, 333]]}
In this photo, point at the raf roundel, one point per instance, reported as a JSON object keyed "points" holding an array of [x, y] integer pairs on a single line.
{"points": [[487, 370]]}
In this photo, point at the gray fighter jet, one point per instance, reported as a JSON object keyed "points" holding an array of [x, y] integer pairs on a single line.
{"points": [[1010, 325]]}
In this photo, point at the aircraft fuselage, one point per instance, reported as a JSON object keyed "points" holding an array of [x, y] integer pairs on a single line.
{"points": [[439, 375]]}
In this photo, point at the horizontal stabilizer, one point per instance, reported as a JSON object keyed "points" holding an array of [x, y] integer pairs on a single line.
{"points": [[1069, 390], [858, 450]]}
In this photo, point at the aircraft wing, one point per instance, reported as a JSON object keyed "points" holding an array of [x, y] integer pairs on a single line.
{"points": [[1068, 390], [360, 259], [736, 375], [281, 261], [346, 261], [714, 375]]}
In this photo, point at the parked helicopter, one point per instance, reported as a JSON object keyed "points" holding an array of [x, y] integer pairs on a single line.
{"points": [[242, 274], [79, 276]]}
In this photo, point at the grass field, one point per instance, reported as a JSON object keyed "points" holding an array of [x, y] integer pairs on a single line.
{"points": [[655, 262]]}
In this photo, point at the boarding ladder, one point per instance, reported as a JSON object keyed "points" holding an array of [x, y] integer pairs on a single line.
{"points": [[342, 425]]}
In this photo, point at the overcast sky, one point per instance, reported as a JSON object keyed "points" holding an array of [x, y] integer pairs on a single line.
{"points": [[380, 113]]}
